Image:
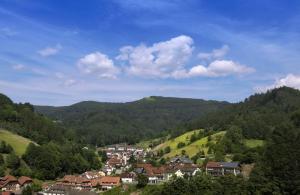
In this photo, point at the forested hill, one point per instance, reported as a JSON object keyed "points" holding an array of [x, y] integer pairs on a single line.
{"points": [[257, 116], [105, 123], [21, 119]]}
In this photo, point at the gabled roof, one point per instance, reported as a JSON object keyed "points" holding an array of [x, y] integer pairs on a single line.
{"points": [[23, 179], [6, 180]]}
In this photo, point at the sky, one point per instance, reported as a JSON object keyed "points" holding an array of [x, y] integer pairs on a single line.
{"points": [[59, 52]]}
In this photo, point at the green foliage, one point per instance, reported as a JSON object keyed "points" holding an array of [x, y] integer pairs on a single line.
{"points": [[107, 123], [257, 116], [13, 161], [2, 170], [103, 156], [27, 190], [5, 148], [21, 119], [167, 150], [51, 160], [180, 145], [1, 159], [17, 142], [142, 181]]}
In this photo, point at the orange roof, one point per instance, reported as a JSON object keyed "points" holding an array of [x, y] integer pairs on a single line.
{"points": [[109, 180], [6, 180], [23, 179]]}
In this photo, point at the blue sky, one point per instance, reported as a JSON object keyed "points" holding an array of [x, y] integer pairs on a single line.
{"points": [[58, 52]]}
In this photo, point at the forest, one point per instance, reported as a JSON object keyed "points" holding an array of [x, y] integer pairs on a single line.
{"points": [[107, 123], [273, 116]]}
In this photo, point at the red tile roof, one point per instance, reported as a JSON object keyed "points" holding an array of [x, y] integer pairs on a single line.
{"points": [[23, 179], [109, 180], [6, 180]]}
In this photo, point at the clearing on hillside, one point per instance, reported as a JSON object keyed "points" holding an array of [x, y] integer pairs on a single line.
{"points": [[172, 143], [193, 148], [18, 143]]}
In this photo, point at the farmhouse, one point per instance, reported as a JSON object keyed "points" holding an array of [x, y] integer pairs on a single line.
{"points": [[10, 183], [222, 168], [128, 177], [109, 182]]}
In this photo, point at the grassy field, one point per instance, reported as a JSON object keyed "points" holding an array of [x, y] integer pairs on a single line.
{"points": [[252, 143], [185, 138], [193, 148], [18, 143]]}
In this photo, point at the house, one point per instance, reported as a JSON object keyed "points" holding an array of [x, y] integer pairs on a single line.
{"points": [[128, 177], [9, 183], [231, 168], [74, 182], [222, 168], [214, 169], [179, 170], [24, 181], [114, 162], [155, 174], [109, 182]]}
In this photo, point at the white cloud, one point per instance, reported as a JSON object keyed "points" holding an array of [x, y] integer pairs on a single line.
{"points": [[98, 64], [49, 51], [214, 54], [18, 67], [160, 60], [217, 68], [290, 80], [220, 68]]}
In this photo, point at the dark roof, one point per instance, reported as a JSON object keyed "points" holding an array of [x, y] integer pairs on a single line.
{"points": [[230, 164], [181, 159]]}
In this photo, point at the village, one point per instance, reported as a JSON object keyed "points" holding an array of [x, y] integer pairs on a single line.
{"points": [[123, 165]]}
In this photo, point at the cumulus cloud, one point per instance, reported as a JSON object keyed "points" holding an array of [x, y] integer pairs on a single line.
{"points": [[214, 54], [161, 60], [49, 51], [98, 64], [18, 67], [217, 68], [290, 80], [220, 68]]}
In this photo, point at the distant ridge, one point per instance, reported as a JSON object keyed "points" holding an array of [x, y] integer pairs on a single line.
{"points": [[105, 123]]}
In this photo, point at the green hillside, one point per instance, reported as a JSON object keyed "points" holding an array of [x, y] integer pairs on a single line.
{"points": [[172, 143], [100, 123], [18, 143], [191, 148]]}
